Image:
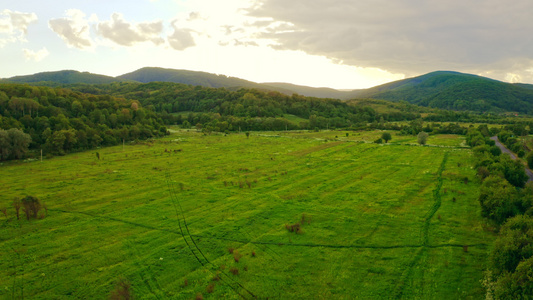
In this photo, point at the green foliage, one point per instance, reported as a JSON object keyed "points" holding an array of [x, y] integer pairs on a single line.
{"points": [[456, 91], [422, 138], [61, 121], [514, 171], [14, 144], [62, 77], [513, 245], [517, 284], [529, 159], [499, 200], [386, 136]]}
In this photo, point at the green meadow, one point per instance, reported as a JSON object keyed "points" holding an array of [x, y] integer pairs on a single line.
{"points": [[294, 215]]}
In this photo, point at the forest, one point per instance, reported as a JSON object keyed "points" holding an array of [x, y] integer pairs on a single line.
{"points": [[60, 121]]}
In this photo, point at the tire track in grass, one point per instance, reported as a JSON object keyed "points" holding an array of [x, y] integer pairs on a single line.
{"points": [[407, 276], [229, 281]]}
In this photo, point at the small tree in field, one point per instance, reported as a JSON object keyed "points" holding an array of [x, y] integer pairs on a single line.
{"points": [[422, 138], [32, 205], [386, 136], [17, 204]]}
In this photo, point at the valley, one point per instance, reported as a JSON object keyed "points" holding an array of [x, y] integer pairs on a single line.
{"points": [[217, 215]]}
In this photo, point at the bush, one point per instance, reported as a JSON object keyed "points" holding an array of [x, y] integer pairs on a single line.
{"points": [[529, 159], [122, 290], [32, 205], [513, 245], [422, 138]]}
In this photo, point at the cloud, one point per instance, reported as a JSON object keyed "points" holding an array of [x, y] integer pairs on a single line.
{"points": [[36, 55], [129, 34], [407, 36], [14, 26], [74, 29], [180, 39]]}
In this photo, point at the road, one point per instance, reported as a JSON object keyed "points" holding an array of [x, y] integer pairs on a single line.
{"points": [[505, 150]]}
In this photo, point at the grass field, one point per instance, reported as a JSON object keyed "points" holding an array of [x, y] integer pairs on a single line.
{"points": [[377, 221]]}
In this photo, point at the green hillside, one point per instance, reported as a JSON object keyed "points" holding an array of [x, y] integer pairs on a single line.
{"points": [[441, 89], [63, 77], [456, 91], [204, 79], [314, 92]]}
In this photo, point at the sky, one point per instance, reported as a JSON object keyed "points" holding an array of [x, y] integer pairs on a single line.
{"points": [[342, 44]]}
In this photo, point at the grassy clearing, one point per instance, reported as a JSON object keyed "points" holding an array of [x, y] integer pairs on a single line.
{"points": [[210, 215]]}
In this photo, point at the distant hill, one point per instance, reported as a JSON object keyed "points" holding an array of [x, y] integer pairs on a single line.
{"points": [[146, 75], [63, 77], [456, 91], [314, 92], [441, 89]]}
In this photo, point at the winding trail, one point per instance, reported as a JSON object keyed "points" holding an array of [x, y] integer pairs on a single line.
{"points": [[513, 156]]}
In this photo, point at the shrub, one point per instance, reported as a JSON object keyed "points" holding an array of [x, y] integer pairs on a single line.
{"points": [[234, 271], [297, 228], [237, 256], [122, 290], [210, 288], [386, 136], [32, 205], [17, 204], [422, 138]]}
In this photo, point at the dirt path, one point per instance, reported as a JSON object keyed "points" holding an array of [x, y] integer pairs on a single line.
{"points": [[505, 150]]}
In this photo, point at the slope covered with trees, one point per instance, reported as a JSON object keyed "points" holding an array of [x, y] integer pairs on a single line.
{"points": [[62, 77], [456, 91], [60, 120], [248, 109]]}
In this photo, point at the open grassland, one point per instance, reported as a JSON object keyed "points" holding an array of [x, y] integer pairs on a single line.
{"points": [[368, 221]]}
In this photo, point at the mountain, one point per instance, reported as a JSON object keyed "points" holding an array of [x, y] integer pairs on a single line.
{"points": [[441, 89], [146, 75], [63, 77], [456, 91], [314, 92]]}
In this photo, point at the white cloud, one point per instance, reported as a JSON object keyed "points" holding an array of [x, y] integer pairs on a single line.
{"points": [[74, 29], [14, 26], [35, 55], [124, 33], [407, 36], [180, 39]]}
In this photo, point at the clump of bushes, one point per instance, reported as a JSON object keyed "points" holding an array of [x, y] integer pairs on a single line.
{"points": [[30, 205], [298, 227], [122, 290]]}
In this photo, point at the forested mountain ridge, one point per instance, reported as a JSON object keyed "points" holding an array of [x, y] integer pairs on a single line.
{"points": [[441, 89], [456, 91], [60, 120], [62, 77]]}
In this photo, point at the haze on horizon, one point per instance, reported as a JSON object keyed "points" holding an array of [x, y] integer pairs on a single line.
{"points": [[340, 44]]}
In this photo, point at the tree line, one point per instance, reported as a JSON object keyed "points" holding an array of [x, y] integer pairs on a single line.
{"points": [[60, 120], [507, 203]]}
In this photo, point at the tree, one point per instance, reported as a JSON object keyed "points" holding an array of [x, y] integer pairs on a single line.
{"points": [[529, 159], [498, 199], [32, 205], [14, 144], [422, 138], [514, 171], [518, 284], [386, 136], [513, 245]]}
